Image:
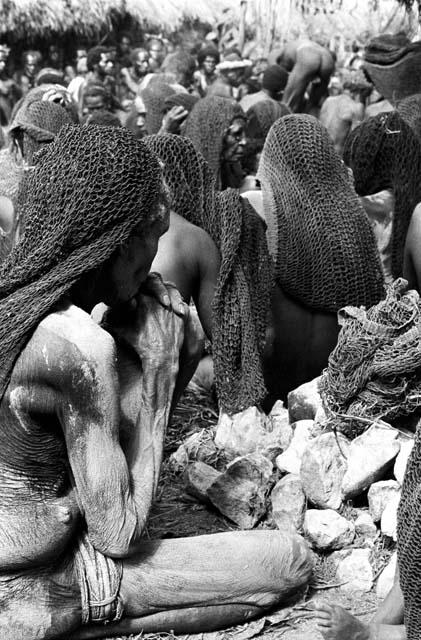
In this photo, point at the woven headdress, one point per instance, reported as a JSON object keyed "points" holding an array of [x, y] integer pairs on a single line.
{"points": [[318, 234], [206, 126], [242, 295], [384, 153], [86, 193]]}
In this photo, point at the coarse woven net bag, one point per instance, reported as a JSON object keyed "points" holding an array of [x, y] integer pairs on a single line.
{"points": [[384, 153], [374, 372], [206, 126], [154, 96], [318, 233], [242, 295], [86, 193]]}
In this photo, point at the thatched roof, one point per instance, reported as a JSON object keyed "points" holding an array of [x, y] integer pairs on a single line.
{"points": [[87, 17]]}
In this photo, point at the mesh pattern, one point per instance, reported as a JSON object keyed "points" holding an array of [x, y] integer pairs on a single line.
{"points": [[241, 299], [375, 369], [262, 115], [410, 111], [154, 96], [206, 126], [318, 234], [87, 191], [384, 153]]}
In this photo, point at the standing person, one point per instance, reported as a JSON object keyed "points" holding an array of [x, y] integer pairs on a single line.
{"points": [[55, 57], [132, 75], [124, 49], [216, 126], [207, 58], [101, 71], [307, 62], [274, 82], [341, 114], [157, 52], [230, 75], [82, 433], [9, 91], [25, 79]]}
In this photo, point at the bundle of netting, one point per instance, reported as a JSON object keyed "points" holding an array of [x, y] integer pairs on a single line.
{"points": [[154, 96], [374, 372], [85, 195], [384, 153], [242, 295], [318, 233], [207, 125]]}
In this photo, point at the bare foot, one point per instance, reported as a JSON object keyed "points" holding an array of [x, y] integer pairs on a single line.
{"points": [[334, 623]]}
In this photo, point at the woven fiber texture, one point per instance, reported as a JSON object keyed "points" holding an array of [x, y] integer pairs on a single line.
{"points": [[87, 191], [206, 126], [318, 233], [410, 111], [387, 48], [375, 370], [261, 116], [384, 153], [154, 96], [242, 295]]}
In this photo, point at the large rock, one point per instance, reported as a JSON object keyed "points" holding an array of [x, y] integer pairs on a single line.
{"points": [[387, 578], [288, 503], [323, 466], [304, 401], [327, 530], [278, 420], [355, 571], [370, 455], [290, 460], [198, 477], [199, 447], [389, 519], [379, 495], [250, 431], [240, 492], [401, 461], [365, 527], [204, 376]]}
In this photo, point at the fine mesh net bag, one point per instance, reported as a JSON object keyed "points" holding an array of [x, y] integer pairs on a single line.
{"points": [[206, 126], [242, 295], [374, 372], [384, 153], [86, 193], [318, 233]]}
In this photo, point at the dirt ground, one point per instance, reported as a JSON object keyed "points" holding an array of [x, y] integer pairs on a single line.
{"points": [[176, 514]]}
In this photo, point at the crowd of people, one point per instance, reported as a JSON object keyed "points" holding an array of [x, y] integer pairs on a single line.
{"points": [[271, 193]]}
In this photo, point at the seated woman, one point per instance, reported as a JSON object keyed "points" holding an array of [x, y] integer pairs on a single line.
{"points": [[84, 410]]}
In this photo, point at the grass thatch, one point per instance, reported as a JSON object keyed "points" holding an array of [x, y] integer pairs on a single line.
{"points": [[26, 18]]}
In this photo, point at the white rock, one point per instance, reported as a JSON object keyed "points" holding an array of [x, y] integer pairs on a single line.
{"points": [[288, 502], [304, 401], [355, 571], [240, 492], [279, 420], [198, 447], [389, 520], [198, 477], [326, 529], [370, 455], [387, 578], [250, 431], [401, 461], [204, 376], [290, 460], [323, 466], [379, 495], [364, 525], [179, 459]]}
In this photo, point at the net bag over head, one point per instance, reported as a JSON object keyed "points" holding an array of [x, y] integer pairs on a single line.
{"points": [[206, 126], [86, 193], [384, 153], [318, 233], [154, 96], [242, 295], [374, 372]]}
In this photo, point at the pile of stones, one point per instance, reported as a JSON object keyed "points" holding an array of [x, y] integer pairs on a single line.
{"points": [[288, 470]]}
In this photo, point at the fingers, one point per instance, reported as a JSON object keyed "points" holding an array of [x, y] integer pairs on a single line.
{"points": [[165, 293]]}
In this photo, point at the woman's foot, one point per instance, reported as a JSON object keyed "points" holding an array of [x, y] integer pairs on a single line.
{"points": [[335, 623]]}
